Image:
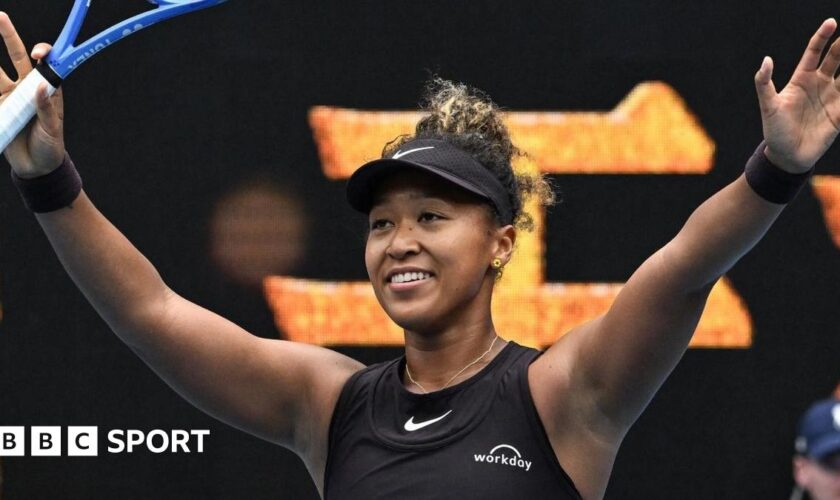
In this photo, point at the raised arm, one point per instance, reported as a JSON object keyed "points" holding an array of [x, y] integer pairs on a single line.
{"points": [[619, 360], [281, 391], [270, 388]]}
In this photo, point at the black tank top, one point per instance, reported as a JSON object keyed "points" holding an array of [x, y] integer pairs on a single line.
{"points": [[480, 439]]}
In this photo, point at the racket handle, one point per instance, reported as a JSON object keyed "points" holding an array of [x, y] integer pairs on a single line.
{"points": [[20, 106]]}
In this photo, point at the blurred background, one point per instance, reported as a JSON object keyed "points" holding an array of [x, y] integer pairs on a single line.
{"points": [[193, 138]]}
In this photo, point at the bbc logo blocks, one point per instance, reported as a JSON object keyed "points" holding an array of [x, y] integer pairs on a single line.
{"points": [[47, 441]]}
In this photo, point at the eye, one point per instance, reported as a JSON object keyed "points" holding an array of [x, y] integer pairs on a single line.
{"points": [[378, 224], [429, 217]]}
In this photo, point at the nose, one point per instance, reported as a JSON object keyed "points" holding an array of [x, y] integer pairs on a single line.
{"points": [[403, 241]]}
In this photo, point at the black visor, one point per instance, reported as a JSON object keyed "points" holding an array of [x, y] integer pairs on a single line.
{"points": [[437, 157]]}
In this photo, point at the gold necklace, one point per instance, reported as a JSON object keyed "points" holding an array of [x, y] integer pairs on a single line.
{"points": [[408, 372]]}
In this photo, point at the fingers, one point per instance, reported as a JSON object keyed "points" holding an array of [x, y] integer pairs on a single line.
{"points": [[764, 86], [48, 113], [40, 51], [831, 62], [811, 58], [6, 83], [15, 47], [58, 103]]}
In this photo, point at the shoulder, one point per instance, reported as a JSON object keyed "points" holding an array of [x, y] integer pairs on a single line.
{"points": [[358, 385], [336, 382]]}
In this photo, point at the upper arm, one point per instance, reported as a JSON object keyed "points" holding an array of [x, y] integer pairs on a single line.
{"points": [[624, 356], [615, 363], [629, 352], [281, 391]]}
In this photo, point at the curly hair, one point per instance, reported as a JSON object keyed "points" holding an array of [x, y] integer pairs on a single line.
{"points": [[467, 118]]}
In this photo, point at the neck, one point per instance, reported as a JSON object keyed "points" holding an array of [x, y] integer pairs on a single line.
{"points": [[435, 359]]}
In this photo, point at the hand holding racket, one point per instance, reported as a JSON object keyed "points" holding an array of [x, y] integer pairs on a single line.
{"points": [[41, 148], [30, 94]]}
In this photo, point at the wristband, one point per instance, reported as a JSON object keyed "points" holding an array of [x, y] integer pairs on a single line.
{"points": [[50, 192], [771, 182]]}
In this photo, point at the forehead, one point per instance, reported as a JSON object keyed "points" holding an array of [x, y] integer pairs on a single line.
{"points": [[412, 184]]}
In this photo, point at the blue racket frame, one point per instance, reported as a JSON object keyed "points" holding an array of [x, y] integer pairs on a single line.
{"points": [[65, 57], [18, 108]]}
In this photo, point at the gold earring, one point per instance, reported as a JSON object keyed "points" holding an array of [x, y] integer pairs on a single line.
{"points": [[498, 267]]}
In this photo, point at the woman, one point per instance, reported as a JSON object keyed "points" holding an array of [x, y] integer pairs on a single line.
{"points": [[465, 414]]}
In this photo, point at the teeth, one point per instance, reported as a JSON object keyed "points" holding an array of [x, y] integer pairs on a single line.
{"points": [[405, 277]]}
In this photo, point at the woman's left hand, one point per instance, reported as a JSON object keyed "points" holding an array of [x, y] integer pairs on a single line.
{"points": [[802, 120]]}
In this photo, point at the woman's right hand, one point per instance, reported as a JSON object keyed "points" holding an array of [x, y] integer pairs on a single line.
{"points": [[39, 148]]}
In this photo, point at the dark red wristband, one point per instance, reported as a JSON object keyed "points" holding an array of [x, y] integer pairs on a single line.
{"points": [[47, 193], [771, 182]]}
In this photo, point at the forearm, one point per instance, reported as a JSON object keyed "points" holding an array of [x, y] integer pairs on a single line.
{"points": [[719, 233], [120, 283]]}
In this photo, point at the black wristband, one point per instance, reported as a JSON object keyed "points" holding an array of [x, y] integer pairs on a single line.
{"points": [[47, 193], [771, 182]]}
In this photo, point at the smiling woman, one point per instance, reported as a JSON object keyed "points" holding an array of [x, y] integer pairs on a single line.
{"points": [[444, 207]]}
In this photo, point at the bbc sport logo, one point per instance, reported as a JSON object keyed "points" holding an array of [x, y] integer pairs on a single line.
{"points": [[83, 441]]}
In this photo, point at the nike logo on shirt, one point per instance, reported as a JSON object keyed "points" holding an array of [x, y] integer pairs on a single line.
{"points": [[400, 154], [411, 426]]}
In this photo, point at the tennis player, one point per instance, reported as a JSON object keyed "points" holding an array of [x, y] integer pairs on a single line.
{"points": [[465, 413]]}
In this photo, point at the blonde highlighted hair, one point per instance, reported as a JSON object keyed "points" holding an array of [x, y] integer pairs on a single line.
{"points": [[469, 119]]}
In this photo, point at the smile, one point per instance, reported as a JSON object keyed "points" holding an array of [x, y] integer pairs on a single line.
{"points": [[409, 277]]}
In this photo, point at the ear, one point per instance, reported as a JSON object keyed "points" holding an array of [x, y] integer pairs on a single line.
{"points": [[800, 470], [505, 238]]}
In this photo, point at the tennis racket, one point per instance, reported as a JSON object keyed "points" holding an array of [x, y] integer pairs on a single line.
{"points": [[20, 106]]}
